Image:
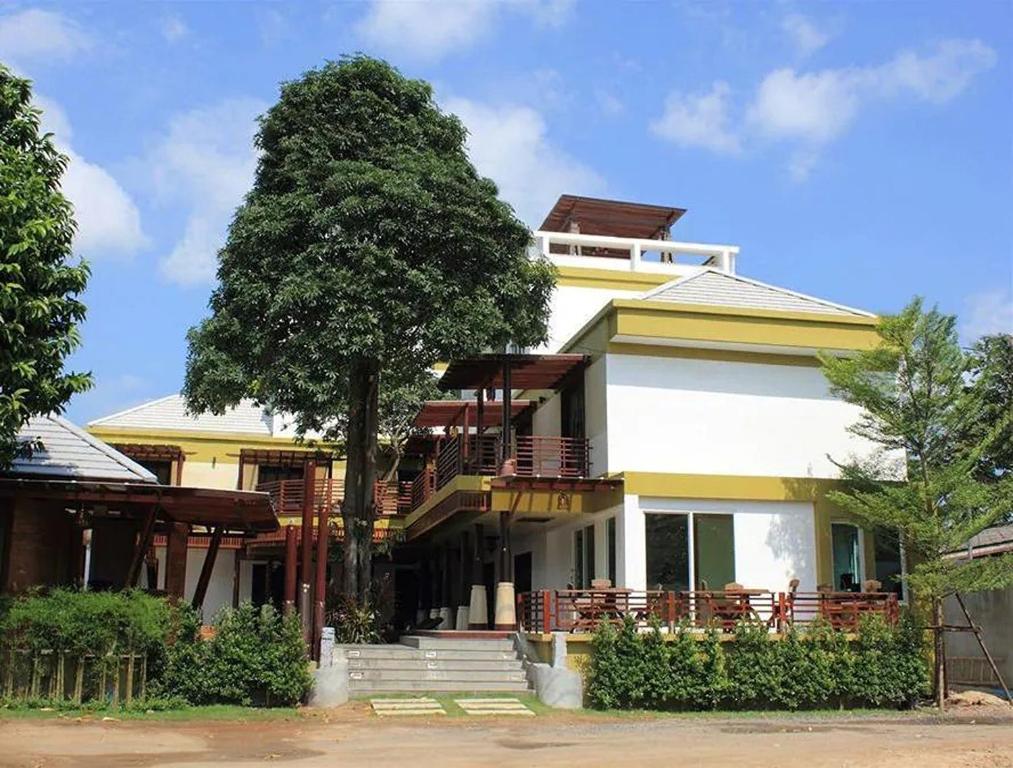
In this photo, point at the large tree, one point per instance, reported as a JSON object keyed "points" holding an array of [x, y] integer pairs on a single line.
{"points": [[368, 249], [39, 284], [926, 483]]}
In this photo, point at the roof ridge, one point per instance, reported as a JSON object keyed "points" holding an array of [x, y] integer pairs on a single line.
{"points": [[134, 408], [759, 283], [124, 461]]}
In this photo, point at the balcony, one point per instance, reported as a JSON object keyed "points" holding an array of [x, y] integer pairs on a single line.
{"points": [[288, 496], [532, 456], [632, 253]]}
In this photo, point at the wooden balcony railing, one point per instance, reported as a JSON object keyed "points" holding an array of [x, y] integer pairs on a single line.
{"points": [[583, 610], [288, 495], [530, 456]]}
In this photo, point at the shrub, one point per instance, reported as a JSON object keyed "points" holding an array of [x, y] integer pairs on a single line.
{"points": [[818, 667], [256, 657], [356, 623]]}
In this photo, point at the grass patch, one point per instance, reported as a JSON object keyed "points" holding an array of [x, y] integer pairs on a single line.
{"points": [[211, 712]]}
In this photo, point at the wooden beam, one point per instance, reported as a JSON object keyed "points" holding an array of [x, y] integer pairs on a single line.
{"points": [[175, 560], [144, 538], [320, 585], [507, 411], [291, 567], [207, 568]]}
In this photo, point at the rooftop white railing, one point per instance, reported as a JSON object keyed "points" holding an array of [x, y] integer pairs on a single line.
{"points": [[720, 257]]}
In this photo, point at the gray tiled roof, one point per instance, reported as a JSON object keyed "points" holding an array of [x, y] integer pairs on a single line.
{"points": [[68, 452], [169, 413], [713, 287]]}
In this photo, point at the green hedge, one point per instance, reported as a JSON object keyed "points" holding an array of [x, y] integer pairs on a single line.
{"points": [[815, 668], [256, 657]]}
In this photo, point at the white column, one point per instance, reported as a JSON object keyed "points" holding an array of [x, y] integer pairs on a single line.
{"points": [[631, 551], [635, 257]]}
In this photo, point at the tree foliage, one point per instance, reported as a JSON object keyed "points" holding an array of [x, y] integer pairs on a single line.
{"points": [[39, 308], [367, 250], [929, 406]]}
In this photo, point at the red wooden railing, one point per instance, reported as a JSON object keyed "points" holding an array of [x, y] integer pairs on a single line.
{"points": [[288, 495], [583, 610], [530, 456]]}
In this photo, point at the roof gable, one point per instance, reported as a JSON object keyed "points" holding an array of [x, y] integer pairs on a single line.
{"points": [[710, 286], [169, 413], [67, 451]]}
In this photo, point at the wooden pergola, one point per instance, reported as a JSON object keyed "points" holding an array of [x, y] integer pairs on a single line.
{"points": [[614, 218]]}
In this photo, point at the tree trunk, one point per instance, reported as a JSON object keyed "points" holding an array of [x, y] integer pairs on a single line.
{"points": [[357, 510], [939, 682]]}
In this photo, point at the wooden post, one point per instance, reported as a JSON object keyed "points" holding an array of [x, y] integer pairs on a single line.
{"points": [[546, 611], [320, 587], [237, 571], [291, 567], [175, 560], [306, 570], [507, 414], [207, 568], [505, 559], [145, 536]]}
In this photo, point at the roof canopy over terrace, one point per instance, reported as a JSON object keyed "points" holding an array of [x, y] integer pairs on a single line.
{"points": [[451, 413], [518, 371], [594, 216]]}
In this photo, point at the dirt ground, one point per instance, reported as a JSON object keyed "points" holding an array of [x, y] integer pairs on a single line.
{"points": [[352, 737]]}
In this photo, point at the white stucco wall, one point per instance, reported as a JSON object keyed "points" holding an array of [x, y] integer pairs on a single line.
{"points": [[572, 307], [774, 541], [219, 592], [678, 415], [547, 419]]}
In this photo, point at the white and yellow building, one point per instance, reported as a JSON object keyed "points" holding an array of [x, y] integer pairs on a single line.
{"points": [[676, 432]]}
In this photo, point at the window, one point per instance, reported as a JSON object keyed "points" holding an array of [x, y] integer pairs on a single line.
{"points": [[671, 539], [889, 564], [270, 473], [610, 545], [847, 557], [583, 557], [160, 469]]}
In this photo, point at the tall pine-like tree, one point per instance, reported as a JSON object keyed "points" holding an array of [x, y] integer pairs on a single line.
{"points": [[935, 431]]}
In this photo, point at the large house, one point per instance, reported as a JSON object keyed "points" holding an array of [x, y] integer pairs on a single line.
{"points": [[675, 433]]}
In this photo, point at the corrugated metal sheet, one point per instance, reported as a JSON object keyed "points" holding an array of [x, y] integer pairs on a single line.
{"points": [[68, 452], [721, 289], [169, 413]]}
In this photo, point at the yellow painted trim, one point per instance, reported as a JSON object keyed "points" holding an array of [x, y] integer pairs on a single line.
{"points": [[701, 353], [737, 487], [750, 312], [223, 447], [708, 325], [472, 483], [584, 277], [555, 503]]}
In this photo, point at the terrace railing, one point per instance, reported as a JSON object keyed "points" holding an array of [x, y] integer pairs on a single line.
{"points": [[288, 496], [529, 456], [583, 610]]}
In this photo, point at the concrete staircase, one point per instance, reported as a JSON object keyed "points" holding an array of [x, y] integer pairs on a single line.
{"points": [[420, 663]]}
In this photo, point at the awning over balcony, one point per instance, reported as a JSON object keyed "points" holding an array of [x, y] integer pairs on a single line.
{"points": [[451, 413], [593, 216], [520, 370]]}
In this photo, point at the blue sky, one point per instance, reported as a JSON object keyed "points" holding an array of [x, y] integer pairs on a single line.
{"points": [[856, 151]]}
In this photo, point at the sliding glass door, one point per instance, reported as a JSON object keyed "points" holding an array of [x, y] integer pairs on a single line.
{"points": [[847, 555], [692, 548]]}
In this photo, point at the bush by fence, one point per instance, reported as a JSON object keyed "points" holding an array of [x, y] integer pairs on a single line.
{"points": [[256, 657], [815, 668], [98, 648]]}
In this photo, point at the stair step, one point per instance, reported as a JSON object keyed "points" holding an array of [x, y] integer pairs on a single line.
{"points": [[361, 687], [427, 654], [457, 644], [463, 677], [449, 664]]}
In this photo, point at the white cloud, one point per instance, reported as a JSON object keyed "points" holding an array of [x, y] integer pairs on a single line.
{"points": [[987, 313], [174, 29], [429, 29], [815, 108], [206, 161], [698, 120], [804, 34], [509, 145], [35, 34], [108, 222], [608, 102]]}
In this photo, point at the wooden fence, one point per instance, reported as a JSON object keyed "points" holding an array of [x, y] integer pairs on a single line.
{"points": [[33, 675]]}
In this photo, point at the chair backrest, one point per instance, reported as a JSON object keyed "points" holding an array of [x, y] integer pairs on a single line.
{"points": [[601, 583], [824, 588], [872, 585], [793, 586], [733, 586]]}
